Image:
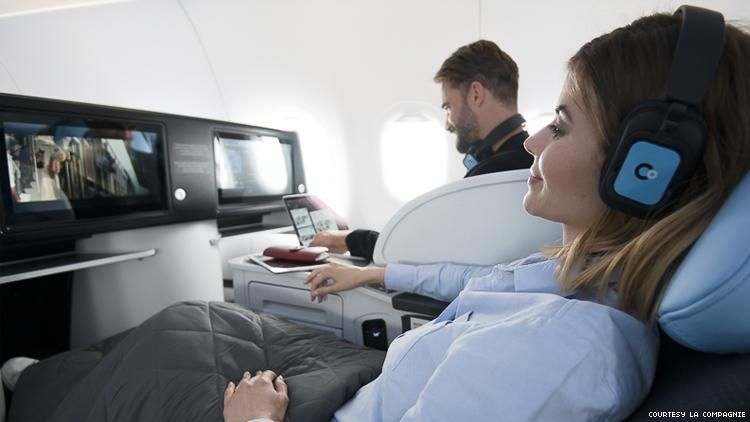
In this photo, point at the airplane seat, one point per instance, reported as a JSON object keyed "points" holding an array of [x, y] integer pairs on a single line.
{"points": [[475, 221], [704, 307], [704, 364], [449, 223]]}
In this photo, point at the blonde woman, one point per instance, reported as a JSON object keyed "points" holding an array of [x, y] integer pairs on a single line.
{"points": [[568, 333]]}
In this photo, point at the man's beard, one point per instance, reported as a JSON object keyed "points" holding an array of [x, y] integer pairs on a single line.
{"points": [[466, 131]]}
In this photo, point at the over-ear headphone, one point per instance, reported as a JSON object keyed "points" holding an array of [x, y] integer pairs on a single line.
{"points": [[662, 142], [479, 152]]}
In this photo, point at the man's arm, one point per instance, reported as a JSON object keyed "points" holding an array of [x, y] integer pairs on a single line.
{"points": [[362, 243], [334, 240]]}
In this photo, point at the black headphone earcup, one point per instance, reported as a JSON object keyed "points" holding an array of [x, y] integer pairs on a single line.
{"points": [[659, 147], [661, 143]]}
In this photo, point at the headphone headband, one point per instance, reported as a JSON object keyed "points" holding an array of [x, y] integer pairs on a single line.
{"points": [[697, 54]]}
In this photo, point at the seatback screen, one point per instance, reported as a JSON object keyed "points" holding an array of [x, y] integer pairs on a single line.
{"points": [[63, 168], [251, 166]]}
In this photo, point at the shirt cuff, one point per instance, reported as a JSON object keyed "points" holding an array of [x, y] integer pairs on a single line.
{"points": [[400, 277]]}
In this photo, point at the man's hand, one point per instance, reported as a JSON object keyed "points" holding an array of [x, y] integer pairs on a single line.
{"points": [[263, 396], [334, 240]]}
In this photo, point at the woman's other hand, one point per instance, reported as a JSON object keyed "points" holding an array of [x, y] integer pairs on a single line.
{"points": [[264, 395], [333, 278]]}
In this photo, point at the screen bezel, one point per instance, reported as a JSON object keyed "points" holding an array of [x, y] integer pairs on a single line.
{"points": [[312, 203], [43, 215]]}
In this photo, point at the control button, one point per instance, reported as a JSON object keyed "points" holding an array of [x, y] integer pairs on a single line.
{"points": [[301, 188], [180, 194]]}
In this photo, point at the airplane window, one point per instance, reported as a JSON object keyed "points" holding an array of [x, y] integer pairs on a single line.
{"points": [[323, 152], [414, 155]]}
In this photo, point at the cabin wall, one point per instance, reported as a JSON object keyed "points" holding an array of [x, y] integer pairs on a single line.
{"points": [[112, 298], [335, 71]]}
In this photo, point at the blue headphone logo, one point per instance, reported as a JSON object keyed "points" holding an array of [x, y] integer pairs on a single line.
{"points": [[649, 174], [646, 172]]}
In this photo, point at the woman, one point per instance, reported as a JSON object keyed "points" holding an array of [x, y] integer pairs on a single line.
{"points": [[521, 356]]}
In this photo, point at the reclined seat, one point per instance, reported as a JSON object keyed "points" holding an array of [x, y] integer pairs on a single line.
{"points": [[704, 361]]}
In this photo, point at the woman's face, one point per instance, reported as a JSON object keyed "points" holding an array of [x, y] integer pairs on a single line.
{"points": [[564, 182]]}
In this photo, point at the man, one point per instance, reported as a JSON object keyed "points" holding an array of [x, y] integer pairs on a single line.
{"points": [[479, 84], [14, 173]]}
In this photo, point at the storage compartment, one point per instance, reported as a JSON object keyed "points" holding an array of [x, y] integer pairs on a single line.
{"points": [[294, 304]]}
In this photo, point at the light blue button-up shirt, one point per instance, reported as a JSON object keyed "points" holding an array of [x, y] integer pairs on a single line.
{"points": [[508, 348]]}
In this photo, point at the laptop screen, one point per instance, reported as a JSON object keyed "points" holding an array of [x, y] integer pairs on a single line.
{"points": [[310, 215]]}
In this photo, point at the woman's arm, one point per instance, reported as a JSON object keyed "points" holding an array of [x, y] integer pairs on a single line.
{"points": [[439, 281], [334, 278]]}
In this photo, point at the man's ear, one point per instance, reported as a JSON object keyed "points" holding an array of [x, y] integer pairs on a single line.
{"points": [[476, 94]]}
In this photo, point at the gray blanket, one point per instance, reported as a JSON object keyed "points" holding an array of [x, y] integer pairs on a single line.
{"points": [[175, 366]]}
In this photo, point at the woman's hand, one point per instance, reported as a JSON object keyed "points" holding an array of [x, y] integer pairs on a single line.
{"points": [[334, 240], [333, 278], [263, 396]]}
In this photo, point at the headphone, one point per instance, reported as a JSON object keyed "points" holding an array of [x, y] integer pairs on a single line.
{"points": [[661, 142], [479, 152]]}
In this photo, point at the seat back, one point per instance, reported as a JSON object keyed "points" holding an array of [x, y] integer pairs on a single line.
{"points": [[477, 220], [705, 306]]}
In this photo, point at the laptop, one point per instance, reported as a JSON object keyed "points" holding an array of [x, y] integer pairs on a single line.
{"points": [[310, 216]]}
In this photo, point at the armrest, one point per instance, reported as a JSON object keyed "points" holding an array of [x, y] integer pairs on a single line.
{"points": [[478, 220], [418, 304]]}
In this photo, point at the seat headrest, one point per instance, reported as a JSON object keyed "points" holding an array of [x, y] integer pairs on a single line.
{"points": [[706, 305]]}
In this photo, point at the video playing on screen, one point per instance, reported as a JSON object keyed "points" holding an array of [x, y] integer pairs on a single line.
{"points": [[78, 162], [61, 168], [250, 166]]}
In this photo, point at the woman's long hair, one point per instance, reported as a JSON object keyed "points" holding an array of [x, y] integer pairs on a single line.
{"points": [[613, 73]]}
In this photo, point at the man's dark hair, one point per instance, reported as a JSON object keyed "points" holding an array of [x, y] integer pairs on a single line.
{"points": [[482, 61]]}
